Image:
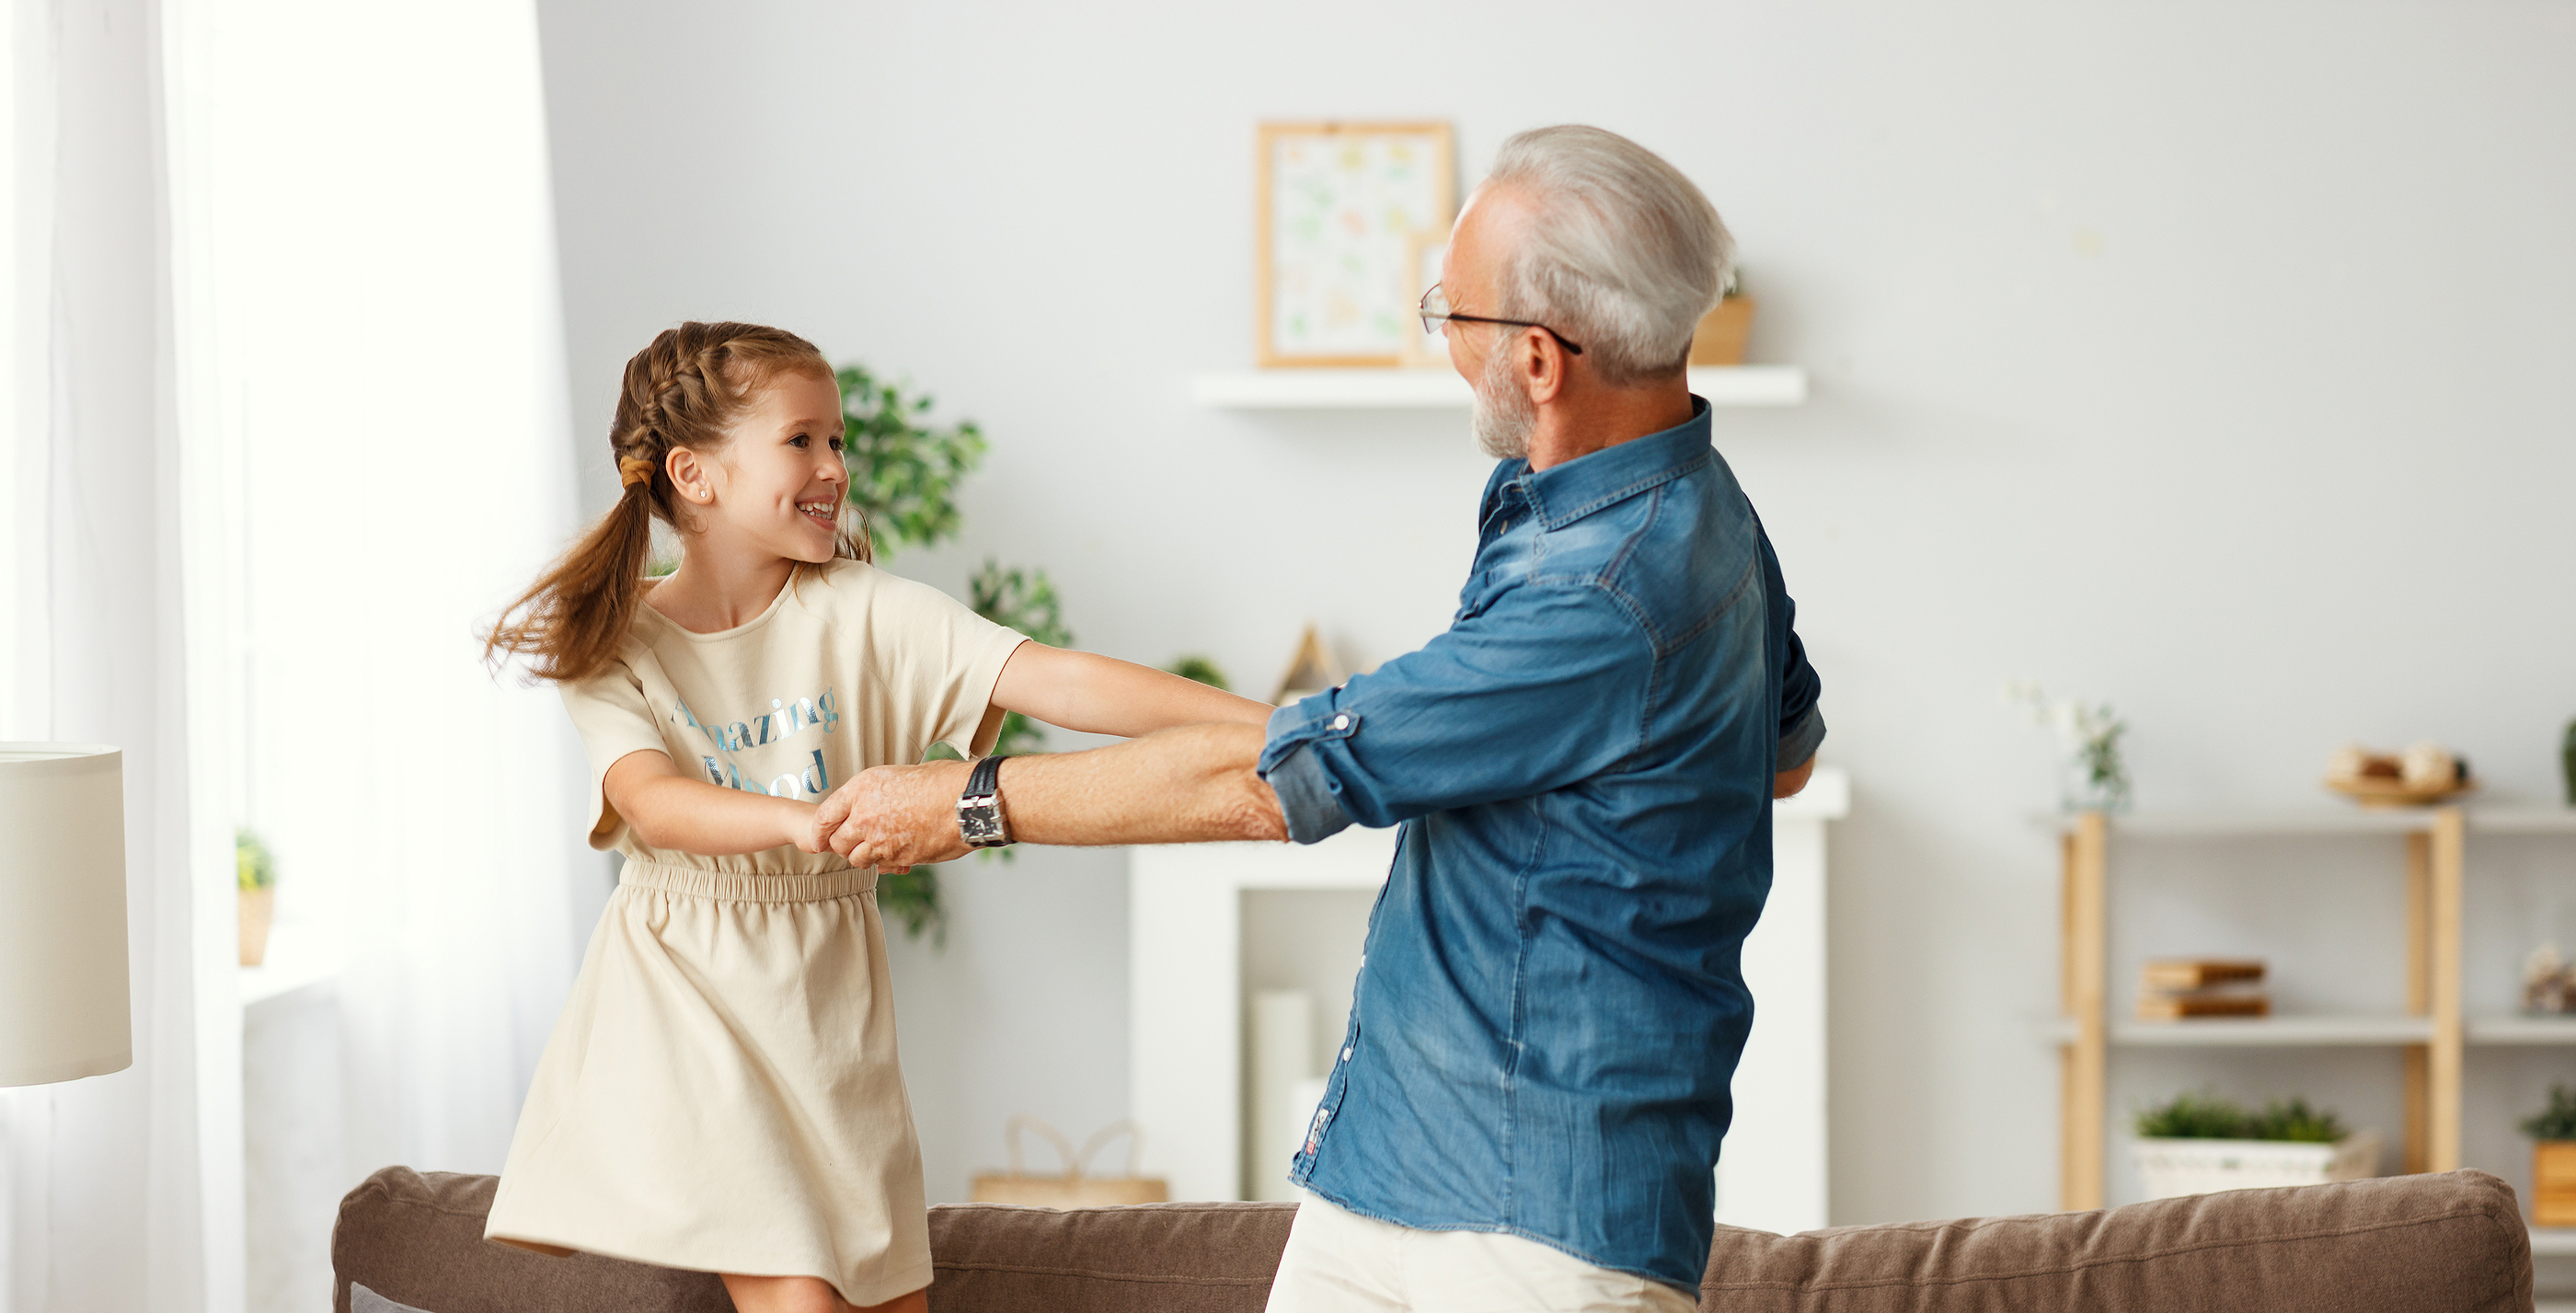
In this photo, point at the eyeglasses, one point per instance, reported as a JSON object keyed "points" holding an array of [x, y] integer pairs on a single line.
{"points": [[1436, 311]]}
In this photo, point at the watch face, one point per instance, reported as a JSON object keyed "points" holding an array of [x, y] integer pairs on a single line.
{"points": [[981, 824]]}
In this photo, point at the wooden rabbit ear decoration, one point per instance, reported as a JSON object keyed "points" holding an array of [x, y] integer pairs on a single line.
{"points": [[1311, 671]]}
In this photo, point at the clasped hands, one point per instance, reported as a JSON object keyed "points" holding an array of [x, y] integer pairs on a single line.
{"points": [[895, 817]]}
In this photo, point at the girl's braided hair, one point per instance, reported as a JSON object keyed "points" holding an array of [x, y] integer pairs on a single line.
{"points": [[685, 390]]}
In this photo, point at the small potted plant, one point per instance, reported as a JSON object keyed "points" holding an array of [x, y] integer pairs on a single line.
{"points": [[256, 872], [2091, 775], [2553, 1159], [2202, 1144]]}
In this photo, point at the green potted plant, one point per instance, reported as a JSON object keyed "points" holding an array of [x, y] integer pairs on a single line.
{"points": [[255, 871], [2201, 1144], [2553, 1159], [904, 473]]}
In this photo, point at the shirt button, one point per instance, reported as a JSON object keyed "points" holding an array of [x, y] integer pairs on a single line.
{"points": [[1346, 1055], [1341, 722]]}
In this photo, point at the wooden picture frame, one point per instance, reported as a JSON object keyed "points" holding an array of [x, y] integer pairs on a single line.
{"points": [[1335, 209], [1422, 269]]}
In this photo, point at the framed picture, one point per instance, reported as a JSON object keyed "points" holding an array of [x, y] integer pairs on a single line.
{"points": [[1422, 267], [1338, 207]]}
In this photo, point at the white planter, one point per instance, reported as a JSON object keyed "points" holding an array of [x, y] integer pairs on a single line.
{"points": [[2179, 1167]]}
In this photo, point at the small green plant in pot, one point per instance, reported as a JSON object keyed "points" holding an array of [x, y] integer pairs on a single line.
{"points": [[2199, 1143], [255, 874], [2553, 1159]]}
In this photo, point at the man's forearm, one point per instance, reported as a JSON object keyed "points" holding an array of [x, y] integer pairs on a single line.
{"points": [[1191, 784]]}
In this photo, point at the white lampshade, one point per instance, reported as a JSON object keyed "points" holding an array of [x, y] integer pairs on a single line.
{"points": [[64, 1010]]}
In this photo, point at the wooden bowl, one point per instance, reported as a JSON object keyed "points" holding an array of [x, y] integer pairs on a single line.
{"points": [[2375, 792]]}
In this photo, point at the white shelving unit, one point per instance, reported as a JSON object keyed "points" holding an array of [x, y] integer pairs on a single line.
{"points": [[2553, 1242], [1442, 389]]}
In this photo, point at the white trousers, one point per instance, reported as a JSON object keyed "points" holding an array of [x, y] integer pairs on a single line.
{"points": [[1340, 1262]]}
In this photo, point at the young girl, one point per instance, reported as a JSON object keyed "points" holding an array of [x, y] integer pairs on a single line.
{"points": [[722, 1091]]}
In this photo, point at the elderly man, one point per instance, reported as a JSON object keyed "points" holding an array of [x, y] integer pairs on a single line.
{"points": [[1528, 1102]]}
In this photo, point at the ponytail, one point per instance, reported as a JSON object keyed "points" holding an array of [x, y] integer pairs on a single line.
{"points": [[684, 390]]}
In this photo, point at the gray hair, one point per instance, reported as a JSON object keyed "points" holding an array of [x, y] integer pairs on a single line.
{"points": [[1622, 253]]}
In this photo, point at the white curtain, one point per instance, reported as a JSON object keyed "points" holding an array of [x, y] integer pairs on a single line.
{"points": [[287, 422], [117, 1192], [391, 369]]}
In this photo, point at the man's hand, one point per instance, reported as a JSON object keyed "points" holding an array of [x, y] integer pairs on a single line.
{"points": [[896, 816], [1787, 783]]}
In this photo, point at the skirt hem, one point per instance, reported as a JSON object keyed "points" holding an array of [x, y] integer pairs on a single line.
{"points": [[890, 1288]]}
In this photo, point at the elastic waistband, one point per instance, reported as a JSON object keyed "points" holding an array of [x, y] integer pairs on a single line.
{"points": [[700, 882]]}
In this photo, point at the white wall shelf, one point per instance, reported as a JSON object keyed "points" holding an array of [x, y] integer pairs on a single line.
{"points": [[298, 958], [2286, 1032], [2553, 1242], [1442, 389]]}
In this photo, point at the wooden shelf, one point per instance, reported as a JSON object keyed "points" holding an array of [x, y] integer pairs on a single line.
{"points": [[2275, 1032], [2433, 1034], [2302, 822], [2522, 820], [1442, 389], [2511, 1029]]}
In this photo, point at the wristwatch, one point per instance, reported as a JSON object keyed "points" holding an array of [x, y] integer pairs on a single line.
{"points": [[979, 809]]}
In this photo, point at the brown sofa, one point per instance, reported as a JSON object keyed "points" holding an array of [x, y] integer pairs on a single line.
{"points": [[2453, 1243]]}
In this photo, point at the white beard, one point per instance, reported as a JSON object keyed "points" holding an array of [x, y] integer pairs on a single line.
{"points": [[1504, 415]]}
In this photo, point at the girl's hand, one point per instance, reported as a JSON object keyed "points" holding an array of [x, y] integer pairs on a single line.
{"points": [[805, 829], [667, 809]]}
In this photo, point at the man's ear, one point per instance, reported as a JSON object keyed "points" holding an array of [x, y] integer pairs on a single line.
{"points": [[1543, 365]]}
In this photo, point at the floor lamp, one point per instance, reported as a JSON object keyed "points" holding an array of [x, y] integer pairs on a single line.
{"points": [[64, 1009]]}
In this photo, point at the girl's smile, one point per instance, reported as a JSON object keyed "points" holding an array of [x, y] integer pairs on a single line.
{"points": [[776, 488]]}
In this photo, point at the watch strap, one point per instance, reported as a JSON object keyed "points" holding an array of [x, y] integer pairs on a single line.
{"points": [[979, 808]]}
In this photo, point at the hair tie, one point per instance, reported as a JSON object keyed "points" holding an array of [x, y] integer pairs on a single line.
{"points": [[632, 470]]}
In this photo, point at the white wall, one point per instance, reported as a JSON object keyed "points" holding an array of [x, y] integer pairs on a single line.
{"points": [[2205, 358]]}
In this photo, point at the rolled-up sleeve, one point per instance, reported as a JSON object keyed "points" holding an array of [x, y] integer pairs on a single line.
{"points": [[1306, 795], [1802, 723], [1547, 687]]}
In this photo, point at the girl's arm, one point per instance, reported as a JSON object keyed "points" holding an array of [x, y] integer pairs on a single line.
{"points": [[667, 809], [1104, 695]]}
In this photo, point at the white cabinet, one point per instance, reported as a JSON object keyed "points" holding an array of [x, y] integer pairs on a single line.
{"points": [[1188, 1003]]}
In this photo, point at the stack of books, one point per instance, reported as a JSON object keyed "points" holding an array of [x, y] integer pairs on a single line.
{"points": [[2177, 987]]}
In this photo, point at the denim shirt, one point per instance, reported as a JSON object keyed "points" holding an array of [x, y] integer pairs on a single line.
{"points": [[1551, 1002]]}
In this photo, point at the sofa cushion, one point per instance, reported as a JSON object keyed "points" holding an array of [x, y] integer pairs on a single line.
{"points": [[2453, 1243], [1184, 1258]]}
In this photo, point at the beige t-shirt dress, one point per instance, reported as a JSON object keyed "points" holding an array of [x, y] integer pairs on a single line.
{"points": [[722, 1091]]}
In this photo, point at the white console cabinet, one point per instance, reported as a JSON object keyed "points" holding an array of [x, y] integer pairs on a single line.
{"points": [[1187, 1006]]}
